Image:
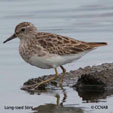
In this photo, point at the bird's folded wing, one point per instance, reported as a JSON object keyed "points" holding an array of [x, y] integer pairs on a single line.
{"points": [[57, 44]]}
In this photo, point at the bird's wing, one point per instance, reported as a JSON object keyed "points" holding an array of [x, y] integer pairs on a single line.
{"points": [[57, 44]]}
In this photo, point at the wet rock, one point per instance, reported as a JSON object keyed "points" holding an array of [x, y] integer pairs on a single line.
{"points": [[100, 76]]}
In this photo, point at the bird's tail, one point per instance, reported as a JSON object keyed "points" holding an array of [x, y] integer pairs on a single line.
{"points": [[97, 44]]}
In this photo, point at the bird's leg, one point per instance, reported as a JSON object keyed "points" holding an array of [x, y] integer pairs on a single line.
{"points": [[43, 82], [58, 99], [48, 80], [62, 77]]}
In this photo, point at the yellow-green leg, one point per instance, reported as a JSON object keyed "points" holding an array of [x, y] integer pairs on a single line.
{"points": [[43, 82], [48, 80], [62, 77]]}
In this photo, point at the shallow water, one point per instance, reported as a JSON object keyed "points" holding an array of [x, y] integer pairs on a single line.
{"points": [[88, 20]]}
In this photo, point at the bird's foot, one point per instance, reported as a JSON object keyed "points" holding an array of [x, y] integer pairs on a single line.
{"points": [[31, 87]]}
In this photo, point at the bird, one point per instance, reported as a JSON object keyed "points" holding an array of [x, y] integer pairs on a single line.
{"points": [[48, 50]]}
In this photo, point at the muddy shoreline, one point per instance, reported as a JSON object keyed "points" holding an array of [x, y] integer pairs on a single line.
{"points": [[100, 77]]}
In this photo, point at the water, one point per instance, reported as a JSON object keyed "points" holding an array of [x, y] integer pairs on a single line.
{"points": [[88, 20]]}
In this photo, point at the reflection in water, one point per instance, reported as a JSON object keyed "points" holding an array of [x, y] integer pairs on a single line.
{"points": [[89, 94], [53, 108], [58, 107], [64, 97], [94, 93]]}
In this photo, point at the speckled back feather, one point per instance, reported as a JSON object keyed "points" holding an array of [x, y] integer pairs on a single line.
{"points": [[57, 44]]}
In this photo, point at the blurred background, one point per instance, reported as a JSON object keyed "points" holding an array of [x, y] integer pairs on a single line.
{"points": [[87, 20]]}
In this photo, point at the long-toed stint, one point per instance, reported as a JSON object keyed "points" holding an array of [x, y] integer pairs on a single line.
{"points": [[48, 50]]}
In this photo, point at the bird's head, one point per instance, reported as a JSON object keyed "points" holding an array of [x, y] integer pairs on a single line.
{"points": [[22, 31]]}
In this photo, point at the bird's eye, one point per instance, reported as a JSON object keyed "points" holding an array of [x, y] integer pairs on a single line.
{"points": [[23, 29]]}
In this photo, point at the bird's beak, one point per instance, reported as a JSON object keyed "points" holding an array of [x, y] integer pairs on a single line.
{"points": [[10, 38]]}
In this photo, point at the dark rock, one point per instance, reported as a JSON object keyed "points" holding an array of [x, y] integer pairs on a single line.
{"points": [[98, 77]]}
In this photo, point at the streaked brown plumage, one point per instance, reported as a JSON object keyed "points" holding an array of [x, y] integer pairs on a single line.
{"points": [[62, 45]]}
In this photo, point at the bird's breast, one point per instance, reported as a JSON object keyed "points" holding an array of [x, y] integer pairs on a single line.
{"points": [[28, 50], [25, 52]]}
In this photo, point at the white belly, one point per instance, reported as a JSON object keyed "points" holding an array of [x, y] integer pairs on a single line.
{"points": [[54, 61]]}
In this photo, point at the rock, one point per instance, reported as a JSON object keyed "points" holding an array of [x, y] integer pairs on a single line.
{"points": [[100, 76]]}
